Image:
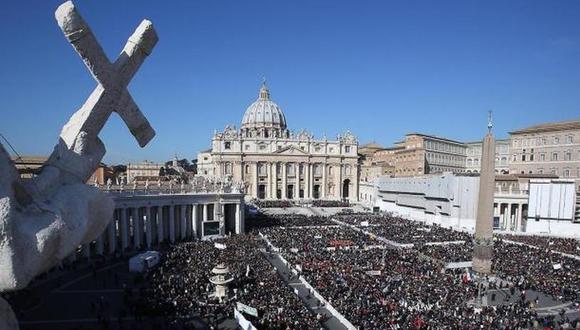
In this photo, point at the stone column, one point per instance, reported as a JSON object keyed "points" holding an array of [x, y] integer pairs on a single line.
{"points": [[171, 210], [242, 216], [275, 183], [339, 175], [194, 226], [124, 230], [503, 217], [483, 249], [356, 168], [183, 222], [296, 181], [112, 231], [145, 224], [520, 217], [204, 219], [324, 184], [215, 211], [256, 180], [510, 218], [238, 219], [222, 218], [307, 181], [137, 226], [284, 184], [269, 190], [160, 221]]}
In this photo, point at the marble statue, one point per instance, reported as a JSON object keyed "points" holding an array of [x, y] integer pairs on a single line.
{"points": [[44, 219]]}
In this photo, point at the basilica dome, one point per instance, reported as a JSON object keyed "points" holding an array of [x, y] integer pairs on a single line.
{"points": [[264, 115]]}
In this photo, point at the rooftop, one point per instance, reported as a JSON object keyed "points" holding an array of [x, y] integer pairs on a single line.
{"points": [[548, 127], [434, 137]]}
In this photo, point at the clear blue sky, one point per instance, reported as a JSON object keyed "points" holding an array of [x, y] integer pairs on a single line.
{"points": [[380, 68]]}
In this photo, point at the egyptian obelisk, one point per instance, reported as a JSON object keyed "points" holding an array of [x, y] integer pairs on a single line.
{"points": [[483, 249]]}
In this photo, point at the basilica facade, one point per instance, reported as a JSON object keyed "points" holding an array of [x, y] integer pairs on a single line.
{"points": [[274, 163]]}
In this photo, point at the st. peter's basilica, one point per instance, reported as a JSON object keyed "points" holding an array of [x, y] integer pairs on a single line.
{"points": [[274, 163]]}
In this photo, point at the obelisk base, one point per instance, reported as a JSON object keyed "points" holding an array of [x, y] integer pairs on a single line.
{"points": [[482, 254]]}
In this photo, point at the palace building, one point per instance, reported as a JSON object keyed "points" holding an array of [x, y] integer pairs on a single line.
{"points": [[272, 162]]}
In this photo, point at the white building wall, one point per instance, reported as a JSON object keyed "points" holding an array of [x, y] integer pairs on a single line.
{"points": [[451, 201], [445, 199]]}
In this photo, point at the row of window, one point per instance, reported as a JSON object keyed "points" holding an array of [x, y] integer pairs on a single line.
{"points": [[437, 169], [542, 141], [475, 161], [228, 146], [264, 133], [406, 170], [499, 149], [566, 173], [442, 146], [554, 156], [445, 159], [290, 169]]}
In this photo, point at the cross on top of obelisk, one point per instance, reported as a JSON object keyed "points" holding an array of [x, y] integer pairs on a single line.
{"points": [[489, 121]]}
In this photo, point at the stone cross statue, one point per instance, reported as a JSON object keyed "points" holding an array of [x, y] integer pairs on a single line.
{"points": [[43, 220]]}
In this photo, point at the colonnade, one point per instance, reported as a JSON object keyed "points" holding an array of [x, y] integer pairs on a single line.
{"points": [[300, 180], [512, 216], [138, 227]]}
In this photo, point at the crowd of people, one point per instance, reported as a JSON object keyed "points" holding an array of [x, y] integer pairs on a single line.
{"points": [[564, 245], [402, 230], [538, 269], [409, 288], [374, 285], [286, 220], [181, 287], [307, 238], [448, 252], [272, 203], [329, 203]]}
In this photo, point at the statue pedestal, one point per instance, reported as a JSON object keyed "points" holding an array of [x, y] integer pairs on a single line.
{"points": [[7, 318]]}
